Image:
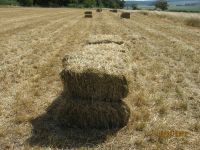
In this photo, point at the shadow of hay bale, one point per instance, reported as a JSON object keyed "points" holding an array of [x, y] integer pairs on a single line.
{"points": [[47, 132], [91, 107]]}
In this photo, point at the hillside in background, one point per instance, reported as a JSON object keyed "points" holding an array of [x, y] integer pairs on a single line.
{"points": [[190, 5], [171, 2]]}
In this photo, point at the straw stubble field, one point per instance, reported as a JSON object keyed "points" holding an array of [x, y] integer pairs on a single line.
{"points": [[165, 89]]}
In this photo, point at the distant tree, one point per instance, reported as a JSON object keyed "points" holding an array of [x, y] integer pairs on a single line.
{"points": [[76, 2], [113, 3], [121, 3], [161, 4], [99, 3], [89, 3], [26, 2], [41, 2], [134, 6]]}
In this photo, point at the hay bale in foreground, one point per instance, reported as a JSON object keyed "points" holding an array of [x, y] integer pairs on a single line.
{"points": [[126, 15], [86, 114], [97, 73], [104, 38]]}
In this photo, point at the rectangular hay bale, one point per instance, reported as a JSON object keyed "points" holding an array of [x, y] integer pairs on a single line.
{"points": [[126, 15], [86, 114], [98, 72], [88, 16], [88, 12], [99, 10]]}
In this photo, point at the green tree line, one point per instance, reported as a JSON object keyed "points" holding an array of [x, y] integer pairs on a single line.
{"points": [[74, 3]]}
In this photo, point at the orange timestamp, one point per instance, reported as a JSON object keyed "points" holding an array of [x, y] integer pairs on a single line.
{"points": [[170, 133]]}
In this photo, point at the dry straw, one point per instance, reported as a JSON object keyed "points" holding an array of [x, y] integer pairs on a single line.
{"points": [[88, 14], [99, 10], [99, 39], [95, 82], [126, 15], [98, 72], [86, 114]]}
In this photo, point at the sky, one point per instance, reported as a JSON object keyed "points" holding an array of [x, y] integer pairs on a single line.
{"points": [[139, 0]]}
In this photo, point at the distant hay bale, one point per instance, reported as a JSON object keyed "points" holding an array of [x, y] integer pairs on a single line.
{"points": [[194, 22], [104, 38], [86, 114], [98, 72], [99, 10], [114, 10], [88, 12], [126, 15], [88, 16]]}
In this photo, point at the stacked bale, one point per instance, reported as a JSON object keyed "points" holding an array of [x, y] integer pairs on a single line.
{"points": [[96, 81], [88, 14], [126, 15]]}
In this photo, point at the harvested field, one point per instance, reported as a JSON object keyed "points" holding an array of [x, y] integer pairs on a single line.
{"points": [[164, 93], [104, 39]]}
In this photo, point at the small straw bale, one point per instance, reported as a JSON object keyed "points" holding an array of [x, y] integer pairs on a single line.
{"points": [[104, 38], [126, 15], [99, 10], [88, 12], [76, 113], [98, 72], [88, 16]]}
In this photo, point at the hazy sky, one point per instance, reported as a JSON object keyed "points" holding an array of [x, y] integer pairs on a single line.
{"points": [[140, 0]]}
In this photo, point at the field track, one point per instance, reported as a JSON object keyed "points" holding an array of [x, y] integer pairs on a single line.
{"points": [[166, 61]]}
